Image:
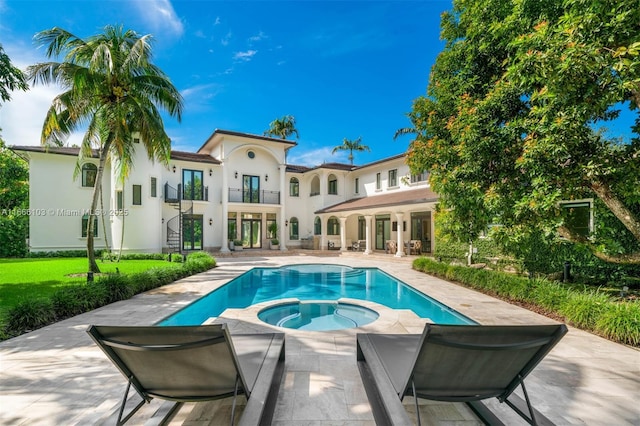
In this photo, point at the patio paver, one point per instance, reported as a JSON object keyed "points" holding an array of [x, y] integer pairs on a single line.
{"points": [[56, 375]]}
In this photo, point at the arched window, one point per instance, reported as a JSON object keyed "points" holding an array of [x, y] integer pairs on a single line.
{"points": [[317, 226], [315, 186], [333, 226], [89, 172], [294, 187], [333, 185], [293, 229]]}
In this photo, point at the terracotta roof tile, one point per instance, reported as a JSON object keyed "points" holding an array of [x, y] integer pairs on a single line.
{"points": [[413, 196]]}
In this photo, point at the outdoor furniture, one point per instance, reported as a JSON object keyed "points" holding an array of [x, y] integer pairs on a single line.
{"points": [[392, 247], [359, 245], [415, 247], [196, 363], [463, 363]]}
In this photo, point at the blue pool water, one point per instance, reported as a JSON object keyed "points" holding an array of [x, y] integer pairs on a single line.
{"points": [[314, 282], [317, 316]]}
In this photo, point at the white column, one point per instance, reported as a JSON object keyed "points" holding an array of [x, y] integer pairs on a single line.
{"points": [[343, 234], [432, 235], [324, 242], [224, 248], [400, 242], [367, 221], [283, 210]]}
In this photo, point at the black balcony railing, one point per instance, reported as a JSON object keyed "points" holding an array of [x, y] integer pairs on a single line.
{"points": [[171, 194], [237, 195]]}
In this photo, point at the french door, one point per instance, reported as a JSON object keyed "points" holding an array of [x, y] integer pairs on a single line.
{"points": [[383, 231], [251, 230], [250, 189], [192, 232]]}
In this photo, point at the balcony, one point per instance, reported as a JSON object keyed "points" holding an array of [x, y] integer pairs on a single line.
{"points": [[173, 195], [237, 195]]}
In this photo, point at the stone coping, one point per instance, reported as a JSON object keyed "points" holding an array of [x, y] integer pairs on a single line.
{"points": [[388, 318]]}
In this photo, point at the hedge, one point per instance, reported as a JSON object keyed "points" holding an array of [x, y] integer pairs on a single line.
{"points": [[34, 313], [617, 320]]}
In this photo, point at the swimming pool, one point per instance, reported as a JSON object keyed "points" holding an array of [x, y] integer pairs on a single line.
{"points": [[314, 282]]}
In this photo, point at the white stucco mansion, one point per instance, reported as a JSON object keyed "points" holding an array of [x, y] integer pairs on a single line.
{"points": [[235, 187]]}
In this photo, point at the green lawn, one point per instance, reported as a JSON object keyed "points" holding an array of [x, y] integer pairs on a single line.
{"points": [[20, 278]]}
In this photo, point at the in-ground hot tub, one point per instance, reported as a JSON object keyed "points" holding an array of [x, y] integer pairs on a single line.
{"points": [[317, 316]]}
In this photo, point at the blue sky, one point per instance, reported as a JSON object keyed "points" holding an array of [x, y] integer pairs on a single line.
{"points": [[343, 69]]}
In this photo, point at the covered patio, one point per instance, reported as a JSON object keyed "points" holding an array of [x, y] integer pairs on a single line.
{"points": [[398, 223]]}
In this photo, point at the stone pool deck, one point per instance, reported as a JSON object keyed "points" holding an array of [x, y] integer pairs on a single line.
{"points": [[57, 376]]}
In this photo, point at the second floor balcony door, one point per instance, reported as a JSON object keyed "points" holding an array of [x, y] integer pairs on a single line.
{"points": [[250, 189], [192, 185]]}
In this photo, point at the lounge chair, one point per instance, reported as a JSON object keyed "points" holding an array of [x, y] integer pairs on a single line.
{"points": [[196, 363], [453, 363]]}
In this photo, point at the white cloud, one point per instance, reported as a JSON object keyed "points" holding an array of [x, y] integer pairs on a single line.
{"points": [[257, 37], [245, 56], [216, 22], [161, 15], [312, 158], [21, 119], [225, 40], [202, 91]]}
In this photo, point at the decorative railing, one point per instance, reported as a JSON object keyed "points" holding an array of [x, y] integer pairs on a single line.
{"points": [[172, 195], [237, 195]]}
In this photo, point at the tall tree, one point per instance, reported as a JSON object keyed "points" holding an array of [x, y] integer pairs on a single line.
{"points": [[283, 127], [112, 87], [11, 78], [14, 180], [351, 145], [507, 126], [14, 199]]}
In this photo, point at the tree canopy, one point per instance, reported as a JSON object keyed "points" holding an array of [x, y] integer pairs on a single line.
{"points": [[283, 127], [11, 78], [14, 180], [510, 124], [351, 145], [111, 87]]}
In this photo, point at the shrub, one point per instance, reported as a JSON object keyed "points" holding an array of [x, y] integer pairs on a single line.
{"points": [[29, 314], [73, 300], [583, 309], [549, 295], [620, 322], [134, 256], [592, 311], [116, 287], [62, 253], [14, 231]]}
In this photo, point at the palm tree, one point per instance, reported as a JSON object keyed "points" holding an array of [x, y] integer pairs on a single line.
{"points": [[282, 127], [112, 88], [404, 131], [351, 145]]}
